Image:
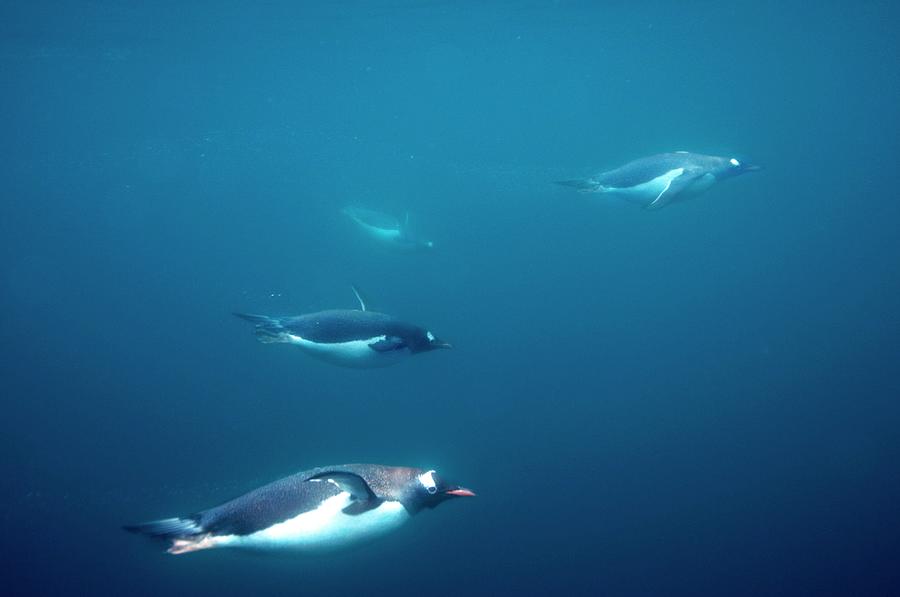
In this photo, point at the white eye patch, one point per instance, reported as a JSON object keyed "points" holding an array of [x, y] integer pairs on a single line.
{"points": [[427, 481], [430, 337], [734, 162]]}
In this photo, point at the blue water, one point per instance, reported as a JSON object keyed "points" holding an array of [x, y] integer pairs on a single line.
{"points": [[701, 400]]}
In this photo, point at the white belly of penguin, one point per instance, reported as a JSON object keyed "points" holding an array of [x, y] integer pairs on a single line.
{"points": [[324, 529], [645, 192], [383, 234], [355, 353]]}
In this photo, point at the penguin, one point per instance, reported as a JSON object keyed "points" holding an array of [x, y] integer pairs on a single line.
{"points": [[316, 511], [388, 229], [658, 180], [356, 338]]}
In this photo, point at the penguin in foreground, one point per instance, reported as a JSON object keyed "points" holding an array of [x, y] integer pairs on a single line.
{"points": [[658, 180], [318, 510], [360, 338], [388, 229]]}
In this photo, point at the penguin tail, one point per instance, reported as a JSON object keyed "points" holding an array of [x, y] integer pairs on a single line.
{"points": [[268, 329], [167, 528], [585, 185], [185, 534], [256, 319]]}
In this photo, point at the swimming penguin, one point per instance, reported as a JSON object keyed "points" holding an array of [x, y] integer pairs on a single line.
{"points": [[348, 337], [658, 180], [388, 229], [318, 510]]}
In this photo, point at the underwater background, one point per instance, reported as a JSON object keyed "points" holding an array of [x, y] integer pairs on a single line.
{"points": [[701, 400]]}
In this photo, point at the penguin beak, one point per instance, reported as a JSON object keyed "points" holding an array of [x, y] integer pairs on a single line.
{"points": [[460, 492], [441, 344], [751, 168]]}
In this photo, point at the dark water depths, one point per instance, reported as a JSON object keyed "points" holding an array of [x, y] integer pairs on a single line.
{"points": [[700, 400]]}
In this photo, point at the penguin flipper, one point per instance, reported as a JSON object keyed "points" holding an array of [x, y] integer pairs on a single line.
{"points": [[405, 231], [359, 297], [388, 344], [353, 484], [364, 498], [674, 186], [361, 507]]}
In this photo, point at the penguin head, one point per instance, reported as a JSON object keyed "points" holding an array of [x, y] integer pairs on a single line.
{"points": [[429, 489], [419, 245], [422, 245], [422, 340], [734, 166]]}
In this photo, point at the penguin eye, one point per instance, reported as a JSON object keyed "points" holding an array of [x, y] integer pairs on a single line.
{"points": [[432, 490]]}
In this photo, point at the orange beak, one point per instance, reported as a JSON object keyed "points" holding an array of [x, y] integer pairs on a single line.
{"points": [[461, 492]]}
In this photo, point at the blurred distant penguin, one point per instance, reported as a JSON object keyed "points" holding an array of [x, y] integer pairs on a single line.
{"points": [[348, 337], [314, 511], [387, 229], [658, 180]]}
